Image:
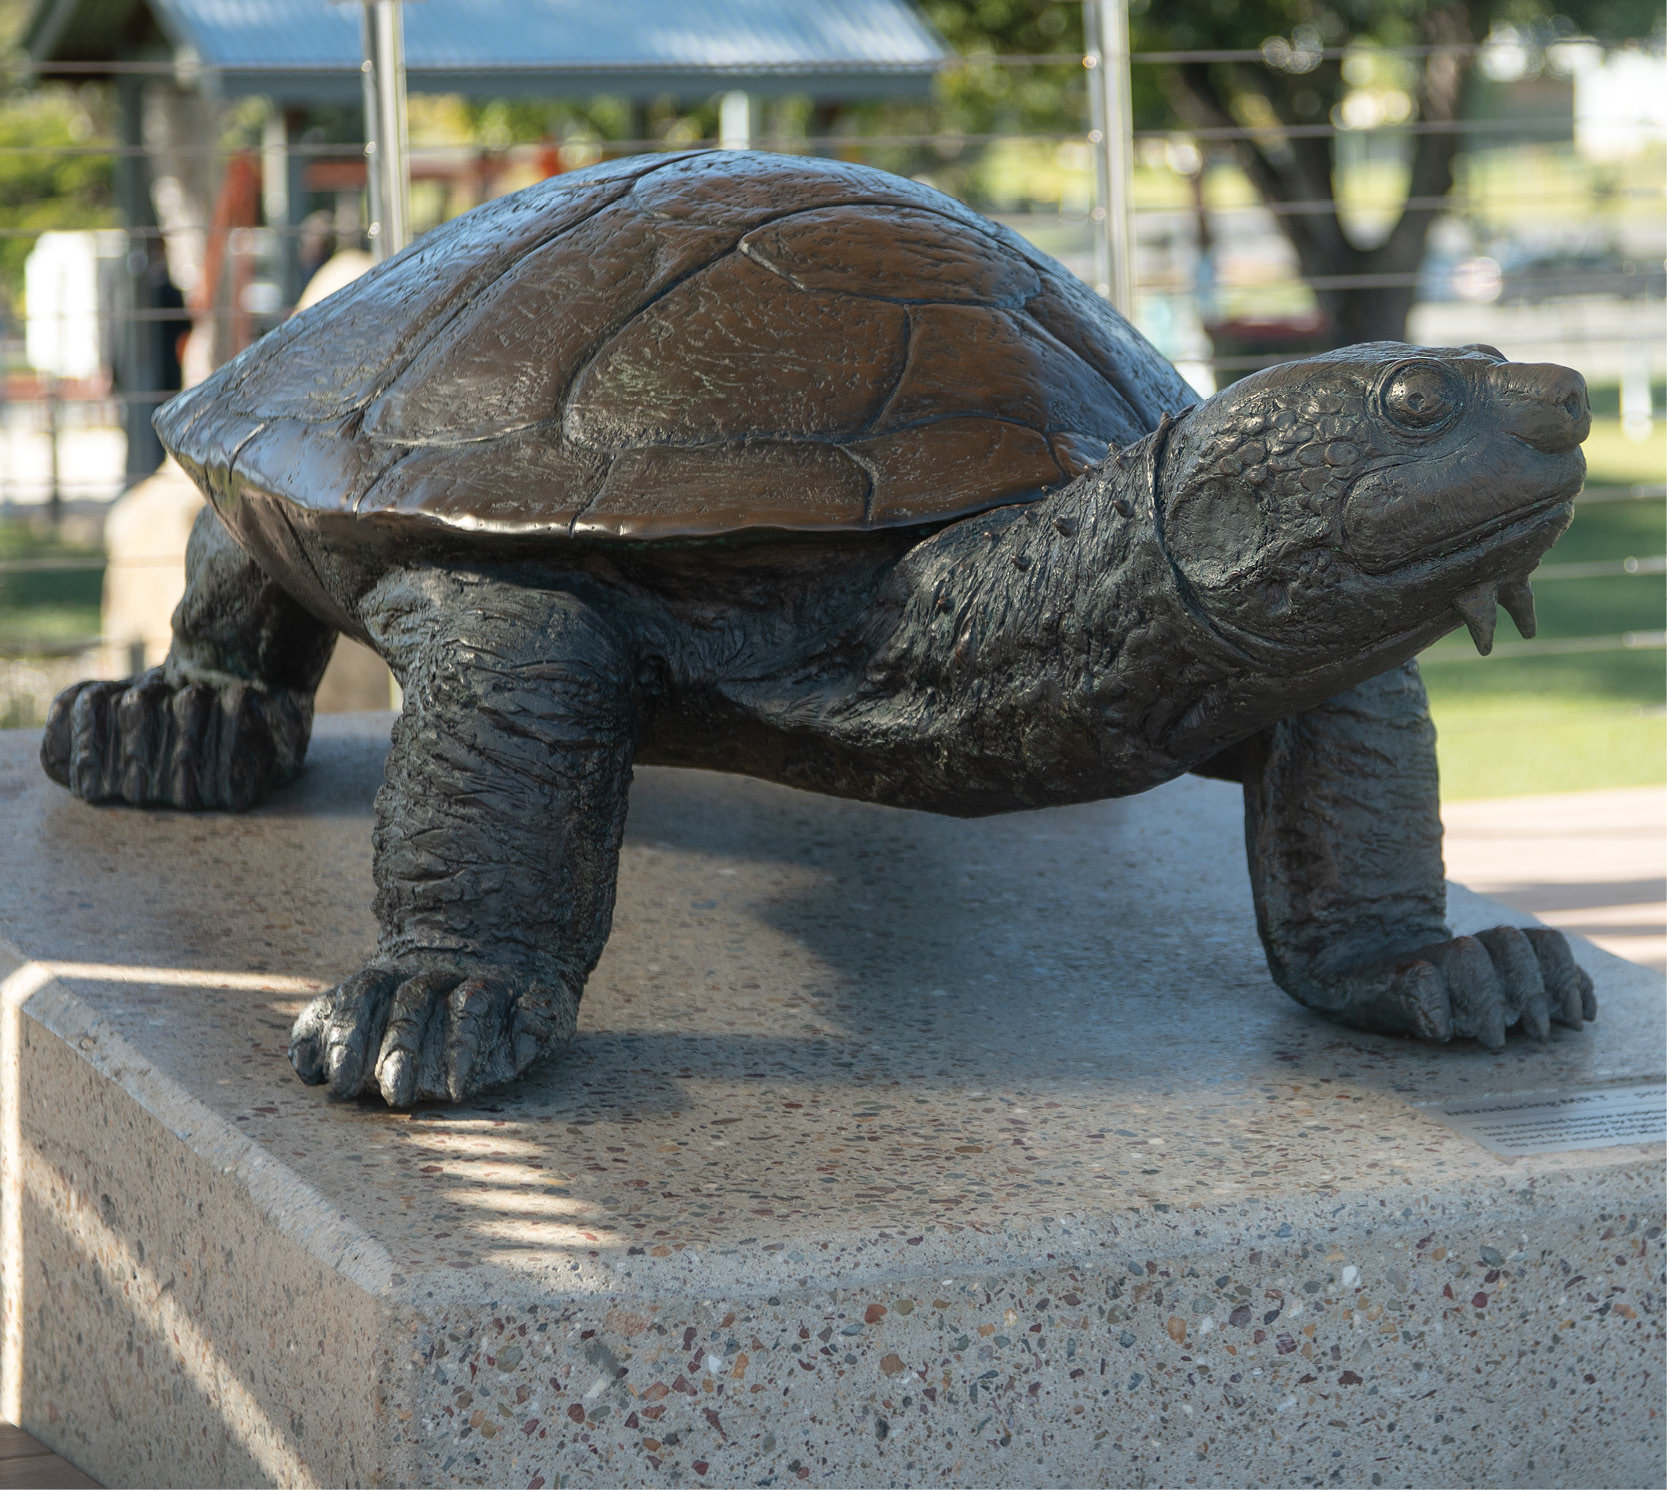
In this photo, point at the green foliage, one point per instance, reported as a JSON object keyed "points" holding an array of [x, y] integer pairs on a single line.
{"points": [[981, 96], [502, 122], [1304, 88], [13, 15], [1032, 26], [44, 187], [1246, 24], [1309, 60], [987, 98], [1053, 100]]}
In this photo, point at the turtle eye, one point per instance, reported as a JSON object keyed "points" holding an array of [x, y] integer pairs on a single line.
{"points": [[1420, 395]]}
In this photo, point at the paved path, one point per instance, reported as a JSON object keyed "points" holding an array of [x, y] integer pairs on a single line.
{"points": [[1594, 863]]}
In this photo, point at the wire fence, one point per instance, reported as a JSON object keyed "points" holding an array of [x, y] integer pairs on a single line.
{"points": [[1548, 245]]}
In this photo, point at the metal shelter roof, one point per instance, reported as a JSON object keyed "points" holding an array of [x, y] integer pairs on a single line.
{"points": [[307, 51]]}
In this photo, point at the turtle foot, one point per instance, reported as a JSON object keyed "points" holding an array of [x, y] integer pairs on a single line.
{"points": [[157, 741], [1475, 987], [430, 1033]]}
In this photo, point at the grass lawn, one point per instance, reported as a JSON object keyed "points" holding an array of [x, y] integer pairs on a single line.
{"points": [[1511, 726], [1615, 459], [48, 610], [1541, 728]]}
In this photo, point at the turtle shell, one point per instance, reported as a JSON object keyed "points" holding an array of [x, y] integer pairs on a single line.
{"points": [[684, 346]]}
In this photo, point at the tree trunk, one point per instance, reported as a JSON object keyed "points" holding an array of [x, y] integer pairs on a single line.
{"points": [[1366, 294], [1369, 314]]}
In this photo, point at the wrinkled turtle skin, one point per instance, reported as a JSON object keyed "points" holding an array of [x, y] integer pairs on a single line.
{"points": [[793, 468]]}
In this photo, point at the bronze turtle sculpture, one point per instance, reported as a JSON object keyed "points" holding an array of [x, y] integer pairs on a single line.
{"points": [[795, 468]]}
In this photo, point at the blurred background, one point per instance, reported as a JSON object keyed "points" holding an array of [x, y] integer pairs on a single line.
{"points": [[176, 174]]}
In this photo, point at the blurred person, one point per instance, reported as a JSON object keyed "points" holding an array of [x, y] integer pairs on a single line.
{"points": [[316, 243]]}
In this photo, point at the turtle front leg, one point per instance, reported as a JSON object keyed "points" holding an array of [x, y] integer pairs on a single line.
{"points": [[1343, 830], [496, 846], [224, 720]]}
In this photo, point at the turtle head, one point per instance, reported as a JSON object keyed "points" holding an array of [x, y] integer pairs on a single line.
{"points": [[1371, 498]]}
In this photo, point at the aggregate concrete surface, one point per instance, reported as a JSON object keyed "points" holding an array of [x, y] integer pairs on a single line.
{"points": [[893, 1149]]}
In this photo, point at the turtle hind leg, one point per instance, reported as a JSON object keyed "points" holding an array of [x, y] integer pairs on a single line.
{"points": [[1343, 830], [225, 719], [497, 841]]}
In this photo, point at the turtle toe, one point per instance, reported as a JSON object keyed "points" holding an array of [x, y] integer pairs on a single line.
{"points": [[430, 1034], [1479, 987], [306, 1040]]}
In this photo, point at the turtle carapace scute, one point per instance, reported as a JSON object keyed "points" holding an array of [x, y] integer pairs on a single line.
{"points": [[795, 468]]}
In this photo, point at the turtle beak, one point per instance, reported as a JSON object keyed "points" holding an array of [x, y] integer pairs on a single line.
{"points": [[1543, 405], [1547, 409]]}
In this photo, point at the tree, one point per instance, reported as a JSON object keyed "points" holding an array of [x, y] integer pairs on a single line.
{"points": [[1309, 55], [45, 179], [1299, 60]]}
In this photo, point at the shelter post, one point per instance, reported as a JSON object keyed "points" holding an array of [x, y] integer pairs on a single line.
{"points": [[136, 333], [737, 116], [387, 135]]}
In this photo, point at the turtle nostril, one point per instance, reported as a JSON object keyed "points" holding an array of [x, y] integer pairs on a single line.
{"points": [[1545, 406]]}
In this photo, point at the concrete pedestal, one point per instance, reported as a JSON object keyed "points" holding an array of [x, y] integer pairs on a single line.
{"points": [[893, 1149]]}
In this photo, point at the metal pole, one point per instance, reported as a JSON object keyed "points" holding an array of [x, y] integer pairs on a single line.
{"points": [[137, 342], [373, 153], [295, 175], [1107, 57], [735, 121], [393, 130], [1097, 142]]}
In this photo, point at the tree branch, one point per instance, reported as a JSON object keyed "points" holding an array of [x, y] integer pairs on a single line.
{"points": [[1197, 100], [1441, 100]]}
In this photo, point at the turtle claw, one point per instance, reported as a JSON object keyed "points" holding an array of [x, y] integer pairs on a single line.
{"points": [[429, 1034], [1473, 987], [157, 741]]}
